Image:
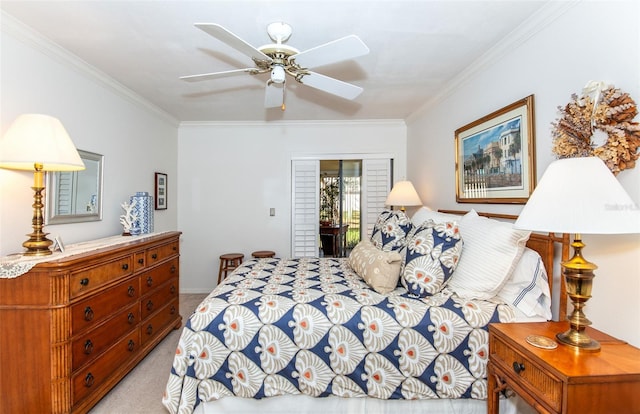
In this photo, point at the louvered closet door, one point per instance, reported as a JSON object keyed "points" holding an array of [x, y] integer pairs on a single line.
{"points": [[376, 184], [305, 211]]}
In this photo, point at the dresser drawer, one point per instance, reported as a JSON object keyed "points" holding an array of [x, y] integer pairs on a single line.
{"points": [[544, 385], [91, 344], [151, 328], [158, 275], [90, 312], [160, 253], [139, 261], [91, 279], [90, 378], [163, 295]]}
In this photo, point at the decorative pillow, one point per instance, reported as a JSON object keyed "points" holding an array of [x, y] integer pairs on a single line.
{"points": [[432, 254], [390, 231], [425, 213], [381, 270], [528, 287], [492, 249]]}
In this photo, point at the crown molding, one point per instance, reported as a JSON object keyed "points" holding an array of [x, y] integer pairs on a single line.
{"points": [[347, 122], [525, 31], [13, 27]]}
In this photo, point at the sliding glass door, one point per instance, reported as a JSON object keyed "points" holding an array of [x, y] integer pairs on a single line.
{"points": [[340, 198], [337, 198]]}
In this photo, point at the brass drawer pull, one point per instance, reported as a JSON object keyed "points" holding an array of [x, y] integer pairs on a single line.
{"points": [[88, 380], [131, 291], [131, 318], [518, 367], [131, 345], [88, 347], [88, 313]]}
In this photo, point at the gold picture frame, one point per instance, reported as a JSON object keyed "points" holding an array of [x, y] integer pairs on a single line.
{"points": [[495, 156]]}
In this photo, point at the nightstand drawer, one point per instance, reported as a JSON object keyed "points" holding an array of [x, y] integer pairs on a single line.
{"points": [[545, 386]]}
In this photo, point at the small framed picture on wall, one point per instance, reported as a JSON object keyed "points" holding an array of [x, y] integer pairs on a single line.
{"points": [[161, 191]]}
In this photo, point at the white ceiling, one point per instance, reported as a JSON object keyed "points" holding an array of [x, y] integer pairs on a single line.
{"points": [[418, 50]]}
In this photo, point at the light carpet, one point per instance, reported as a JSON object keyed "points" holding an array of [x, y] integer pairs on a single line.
{"points": [[140, 392]]}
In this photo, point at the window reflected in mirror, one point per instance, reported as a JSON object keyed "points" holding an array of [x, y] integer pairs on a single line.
{"points": [[76, 196]]}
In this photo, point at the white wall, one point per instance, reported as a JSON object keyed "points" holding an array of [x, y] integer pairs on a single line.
{"points": [[36, 77], [590, 41], [232, 174]]}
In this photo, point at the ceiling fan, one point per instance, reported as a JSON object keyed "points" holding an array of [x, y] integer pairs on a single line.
{"points": [[282, 60]]}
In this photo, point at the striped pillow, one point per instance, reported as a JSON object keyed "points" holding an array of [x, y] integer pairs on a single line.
{"points": [[491, 252]]}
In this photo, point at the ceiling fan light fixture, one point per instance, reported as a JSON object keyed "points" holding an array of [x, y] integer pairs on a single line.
{"points": [[279, 59], [277, 74]]}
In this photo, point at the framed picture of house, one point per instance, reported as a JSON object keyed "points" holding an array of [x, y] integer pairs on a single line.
{"points": [[161, 191], [495, 156]]}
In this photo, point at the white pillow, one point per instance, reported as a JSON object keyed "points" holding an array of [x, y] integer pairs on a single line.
{"points": [[425, 213], [490, 254], [528, 287]]}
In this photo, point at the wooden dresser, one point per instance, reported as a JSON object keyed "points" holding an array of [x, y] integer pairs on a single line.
{"points": [[71, 328]]}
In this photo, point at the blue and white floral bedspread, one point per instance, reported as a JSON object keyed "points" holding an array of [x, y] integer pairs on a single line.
{"points": [[312, 326]]}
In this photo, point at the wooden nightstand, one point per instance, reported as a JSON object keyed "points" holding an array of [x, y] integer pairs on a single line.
{"points": [[562, 380]]}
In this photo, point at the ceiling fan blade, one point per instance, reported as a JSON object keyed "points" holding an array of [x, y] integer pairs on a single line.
{"points": [[274, 94], [232, 40], [345, 48], [330, 85], [215, 75]]}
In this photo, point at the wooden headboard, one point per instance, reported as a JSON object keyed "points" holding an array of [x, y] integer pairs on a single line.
{"points": [[549, 246]]}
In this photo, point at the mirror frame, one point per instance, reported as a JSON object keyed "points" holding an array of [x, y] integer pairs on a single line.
{"points": [[52, 195]]}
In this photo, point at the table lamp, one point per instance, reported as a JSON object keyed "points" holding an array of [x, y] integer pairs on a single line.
{"points": [[403, 194], [579, 196], [38, 143]]}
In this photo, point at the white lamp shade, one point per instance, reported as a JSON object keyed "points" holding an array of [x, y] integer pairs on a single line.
{"points": [[580, 195], [36, 138], [403, 194]]}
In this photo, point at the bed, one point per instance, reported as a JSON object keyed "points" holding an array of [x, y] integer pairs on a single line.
{"points": [[400, 325]]}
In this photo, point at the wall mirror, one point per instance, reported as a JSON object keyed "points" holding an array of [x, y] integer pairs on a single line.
{"points": [[76, 196]]}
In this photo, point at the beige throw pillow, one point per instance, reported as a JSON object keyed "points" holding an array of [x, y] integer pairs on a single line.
{"points": [[381, 270]]}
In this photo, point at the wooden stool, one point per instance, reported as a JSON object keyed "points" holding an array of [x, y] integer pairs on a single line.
{"points": [[228, 262], [263, 254]]}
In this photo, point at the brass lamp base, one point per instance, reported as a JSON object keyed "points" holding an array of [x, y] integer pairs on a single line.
{"points": [[578, 339], [578, 274], [38, 244]]}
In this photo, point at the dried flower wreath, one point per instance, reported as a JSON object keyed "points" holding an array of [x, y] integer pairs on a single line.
{"points": [[602, 108]]}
